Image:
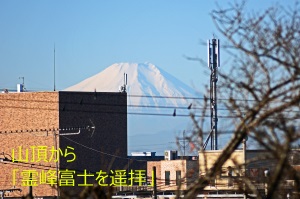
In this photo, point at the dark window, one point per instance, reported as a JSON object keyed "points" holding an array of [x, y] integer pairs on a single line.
{"points": [[178, 177], [167, 177], [212, 182], [230, 181]]}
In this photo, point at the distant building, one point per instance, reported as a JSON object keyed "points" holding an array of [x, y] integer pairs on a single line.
{"points": [[143, 154], [138, 160], [233, 168], [256, 165], [44, 122], [173, 172]]}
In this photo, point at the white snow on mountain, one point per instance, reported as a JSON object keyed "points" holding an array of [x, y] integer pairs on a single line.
{"points": [[153, 94], [144, 79]]}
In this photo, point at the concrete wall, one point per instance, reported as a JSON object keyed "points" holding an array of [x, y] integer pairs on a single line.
{"points": [[257, 162], [221, 182], [208, 158], [104, 149]]}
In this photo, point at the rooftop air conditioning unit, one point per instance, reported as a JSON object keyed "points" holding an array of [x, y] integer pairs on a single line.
{"points": [[20, 88], [167, 155], [170, 155]]}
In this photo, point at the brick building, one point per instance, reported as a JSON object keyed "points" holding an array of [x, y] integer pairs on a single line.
{"points": [[48, 121], [171, 174], [250, 163], [169, 171]]}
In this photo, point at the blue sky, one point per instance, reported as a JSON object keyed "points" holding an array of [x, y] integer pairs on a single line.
{"points": [[91, 35]]}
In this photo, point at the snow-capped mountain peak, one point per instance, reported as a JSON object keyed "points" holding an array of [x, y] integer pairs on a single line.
{"points": [[152, 94], [143, 79]]}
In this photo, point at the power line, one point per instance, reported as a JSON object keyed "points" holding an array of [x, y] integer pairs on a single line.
{"points": [[49, 167], [115, 112], [48, 129], [178, 115], [129, 113], [157, 96], [192, 97], [104, 153], [44, 167], [81, 102], [167, 97], [135, 113]]}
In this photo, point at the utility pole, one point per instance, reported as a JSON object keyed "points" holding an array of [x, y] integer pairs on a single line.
{"points": [[56, 164], [213, 61], [154, 179], [30, 194], [23, 84], [183, 139], [23, 78], [245, 166]]}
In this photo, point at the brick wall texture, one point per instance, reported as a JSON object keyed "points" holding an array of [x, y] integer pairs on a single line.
{"points": [[189, 172], [40, 113], [150, 165]]}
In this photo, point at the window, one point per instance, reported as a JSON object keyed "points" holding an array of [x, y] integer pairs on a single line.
{"points": [[230, 181], [212, 182], [167, 177], [178, 177]]}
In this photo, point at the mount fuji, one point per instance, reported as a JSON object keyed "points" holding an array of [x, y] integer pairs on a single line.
{"points": [[143, 80], [155, 97]]}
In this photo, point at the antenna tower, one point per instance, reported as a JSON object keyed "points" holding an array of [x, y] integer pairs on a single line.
{"points": [[184, 145], [213, 61], [23, 83], [54, 67], [123, 88]]}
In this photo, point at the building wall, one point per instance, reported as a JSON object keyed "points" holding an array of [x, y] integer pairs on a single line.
{"points": [[221, 182], [22, 112], [189, 172], [172, 166], [192, 168], [258, 162], [208, 158], [150, 165], [103, 149]]}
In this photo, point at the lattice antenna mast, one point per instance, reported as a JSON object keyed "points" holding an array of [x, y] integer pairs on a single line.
{"points": [[183, 140], [213, 60], [54, 69], [123, 88], [23, 82]]}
